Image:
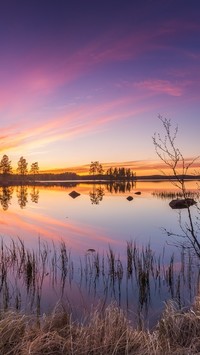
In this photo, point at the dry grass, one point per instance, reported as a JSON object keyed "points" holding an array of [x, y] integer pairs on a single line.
{"points": [[179, 330], [108, 332], [105, 331]]}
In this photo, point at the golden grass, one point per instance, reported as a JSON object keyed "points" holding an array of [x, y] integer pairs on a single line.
{"points": [[108, 332], [179, 330]]}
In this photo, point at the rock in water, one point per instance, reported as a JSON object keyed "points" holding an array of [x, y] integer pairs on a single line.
{"points": [[182, 203], [129, 198], [74, 194]]}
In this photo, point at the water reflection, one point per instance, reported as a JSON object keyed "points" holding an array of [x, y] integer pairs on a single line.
{"points": [[175, 195], [22, 195], [120, 186], [34, 194], [6, 196], [96, 195], [132, 276], [95, 191], [136, 283]]}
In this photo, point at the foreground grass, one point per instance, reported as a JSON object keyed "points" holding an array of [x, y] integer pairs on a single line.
{"points": [[177, 332]]}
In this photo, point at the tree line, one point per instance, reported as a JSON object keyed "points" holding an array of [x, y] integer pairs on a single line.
{"points": [[23, 174], [96, 169], [112, 173], [120, 173], [22, 166]]}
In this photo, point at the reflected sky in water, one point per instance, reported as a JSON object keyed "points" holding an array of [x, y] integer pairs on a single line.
{"points": [[98, 218], [95, 219]]}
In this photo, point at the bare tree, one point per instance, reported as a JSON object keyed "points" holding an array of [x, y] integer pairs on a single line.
{"points": [[170, 154]]}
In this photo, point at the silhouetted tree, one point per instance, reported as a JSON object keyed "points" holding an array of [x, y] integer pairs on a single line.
{"points": [[109, 172], [120, 173], [115, 173], [128, 174], [34, 168], [5, 165], [96, 168], [22, 166], [133, 175]]}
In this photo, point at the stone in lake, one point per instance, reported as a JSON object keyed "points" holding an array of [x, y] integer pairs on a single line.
{"points": [[129, 198], [182, 203], [91, 250], [138, 193], [74, 194]]}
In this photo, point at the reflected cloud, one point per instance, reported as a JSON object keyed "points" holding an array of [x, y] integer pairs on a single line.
{"points": [[30, 222], [56, 216], [87, 118]]}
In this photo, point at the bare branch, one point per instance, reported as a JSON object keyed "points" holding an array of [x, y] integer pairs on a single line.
{"points": [[174, 160]]}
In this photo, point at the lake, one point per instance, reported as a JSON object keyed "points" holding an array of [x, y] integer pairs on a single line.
{"points": [[78, 247]]}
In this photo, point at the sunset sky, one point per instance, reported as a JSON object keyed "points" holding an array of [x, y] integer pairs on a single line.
{"points": [[85, 80]]}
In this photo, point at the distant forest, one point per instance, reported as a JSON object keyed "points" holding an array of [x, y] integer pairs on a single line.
{"points": [[23, 175]]}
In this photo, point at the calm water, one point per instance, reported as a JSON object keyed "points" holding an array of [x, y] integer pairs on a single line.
{"points": [[99, 218]]}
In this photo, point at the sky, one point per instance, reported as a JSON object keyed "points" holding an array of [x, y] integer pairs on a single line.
{"points": [[85, 80]]}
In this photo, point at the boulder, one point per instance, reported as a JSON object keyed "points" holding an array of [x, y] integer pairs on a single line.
{"points": [[182, 203], [129, 198], [74, 194], [138, 193]]}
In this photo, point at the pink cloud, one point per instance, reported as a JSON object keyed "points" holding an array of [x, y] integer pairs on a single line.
{"points": [[75, 122], [161, 87], [40, 74], [43, 71]]}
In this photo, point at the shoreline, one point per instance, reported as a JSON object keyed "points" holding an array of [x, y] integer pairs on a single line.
{"points": [[74, 182]]}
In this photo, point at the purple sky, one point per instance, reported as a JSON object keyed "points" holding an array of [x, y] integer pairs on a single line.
{"points": [[85, 80]]}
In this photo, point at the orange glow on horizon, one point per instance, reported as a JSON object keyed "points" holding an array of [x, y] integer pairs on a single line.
{"points": [[141, 168]]}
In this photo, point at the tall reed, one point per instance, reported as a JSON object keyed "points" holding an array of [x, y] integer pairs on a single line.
{"points": [[136, 275]]}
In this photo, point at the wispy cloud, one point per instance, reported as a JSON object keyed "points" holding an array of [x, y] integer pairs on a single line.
{"points": [[161, 87], [43, 77], [43, 71], [75, 122]]}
